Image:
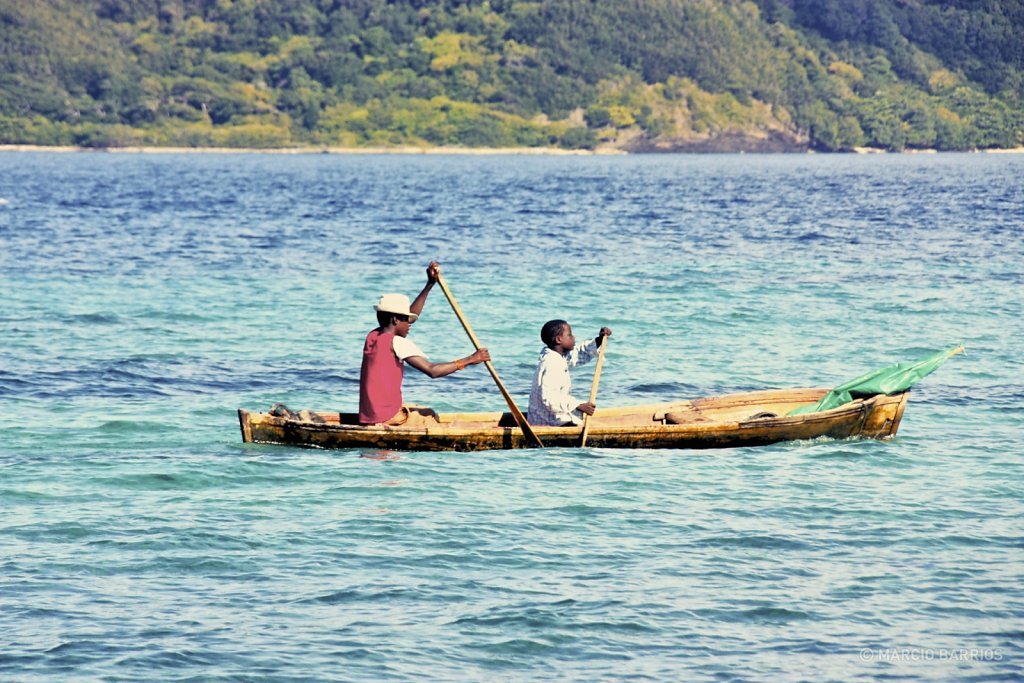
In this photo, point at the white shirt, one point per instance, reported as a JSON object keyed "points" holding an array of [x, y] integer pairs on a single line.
{"points": [[551, 401], [405, 348]]}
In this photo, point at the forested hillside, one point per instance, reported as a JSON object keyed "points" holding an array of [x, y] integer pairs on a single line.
{"points": [[641, 75]]}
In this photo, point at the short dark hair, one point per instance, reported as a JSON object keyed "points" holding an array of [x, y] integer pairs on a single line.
{"points": [[384, 317], [551, 329]]}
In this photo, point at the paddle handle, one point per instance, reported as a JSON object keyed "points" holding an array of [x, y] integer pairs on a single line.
{"points": [[593, 391], [516, 413]]}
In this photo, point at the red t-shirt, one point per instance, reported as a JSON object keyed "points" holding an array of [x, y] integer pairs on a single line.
{"points": [[380, 379]]}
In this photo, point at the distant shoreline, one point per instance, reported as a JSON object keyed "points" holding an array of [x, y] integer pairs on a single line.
{"points": [[318, 150], [469, 151]]}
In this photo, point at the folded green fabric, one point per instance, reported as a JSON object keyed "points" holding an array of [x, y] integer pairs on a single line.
{"points": [[889, 380]]}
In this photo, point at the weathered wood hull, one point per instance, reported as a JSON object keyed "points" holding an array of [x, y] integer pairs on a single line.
{"points": [[746, 419]]}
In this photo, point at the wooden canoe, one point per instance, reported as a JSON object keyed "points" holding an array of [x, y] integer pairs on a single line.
{"points": [[753, 418]]}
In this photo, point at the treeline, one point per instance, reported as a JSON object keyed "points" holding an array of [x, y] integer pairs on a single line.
{"points": [[631, 74]]}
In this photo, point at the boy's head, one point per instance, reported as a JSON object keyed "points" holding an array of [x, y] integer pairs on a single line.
{"points": [[551, 331], [393, 309]]}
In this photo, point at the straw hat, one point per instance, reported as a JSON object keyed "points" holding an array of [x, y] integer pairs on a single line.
{"points": [[395, 303]]}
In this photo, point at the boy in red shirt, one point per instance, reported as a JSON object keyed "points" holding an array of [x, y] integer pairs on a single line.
{"points": [[386, 350]]}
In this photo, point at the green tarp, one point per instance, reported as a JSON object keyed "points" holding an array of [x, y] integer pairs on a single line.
{"points": [[889, 380]]}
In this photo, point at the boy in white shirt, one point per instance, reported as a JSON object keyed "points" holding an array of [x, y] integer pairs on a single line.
{"points": [[551, 401]]}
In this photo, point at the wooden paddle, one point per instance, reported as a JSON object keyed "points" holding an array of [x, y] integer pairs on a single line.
{"points": [[516, 413], [593, 391]]}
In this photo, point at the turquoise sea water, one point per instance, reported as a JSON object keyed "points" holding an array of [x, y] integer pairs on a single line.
{"points": [[146, 297]]}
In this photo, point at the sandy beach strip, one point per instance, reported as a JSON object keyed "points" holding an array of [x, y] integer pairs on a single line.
{"points": [[317, 150], [535, 151]]}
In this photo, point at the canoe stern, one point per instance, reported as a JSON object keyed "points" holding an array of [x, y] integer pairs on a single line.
{"points": [[245, 424], [883, 418]]}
